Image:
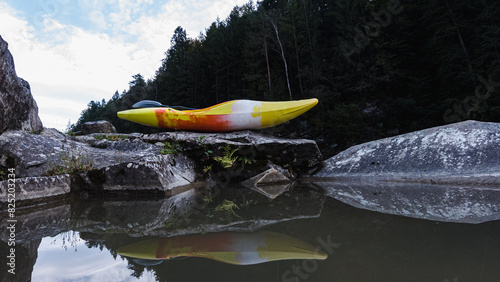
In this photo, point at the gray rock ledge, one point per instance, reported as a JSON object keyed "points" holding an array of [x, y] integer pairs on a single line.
{"points": [[465, 153], [133, 163]]}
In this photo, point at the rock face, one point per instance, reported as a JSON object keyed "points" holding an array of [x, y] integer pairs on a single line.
{"points": [[96, 165], [466, 152], [101, 126], [33, 155], [32, 188], [160, 173], [18, 109], [295, 153]]}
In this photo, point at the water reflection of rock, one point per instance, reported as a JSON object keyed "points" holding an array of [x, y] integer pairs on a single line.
{"points": [[425, 201], [26, 255], [272, 191], [193, 211], [196, 212], [45, 220]]}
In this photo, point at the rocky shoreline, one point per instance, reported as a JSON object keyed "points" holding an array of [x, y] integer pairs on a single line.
{"points": [[165, 163], [447, 173]]}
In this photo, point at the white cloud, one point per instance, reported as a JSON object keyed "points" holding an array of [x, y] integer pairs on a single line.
{"points": [[92, 63], [98, 19]]}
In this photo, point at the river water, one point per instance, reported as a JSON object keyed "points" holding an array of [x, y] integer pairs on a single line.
{"points": [[302, 234]]}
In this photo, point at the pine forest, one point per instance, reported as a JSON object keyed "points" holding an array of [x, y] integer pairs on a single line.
{"points": [[378, 67]]}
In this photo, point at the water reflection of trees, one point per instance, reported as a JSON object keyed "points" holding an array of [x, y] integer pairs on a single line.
{"points": [[68, 239]]}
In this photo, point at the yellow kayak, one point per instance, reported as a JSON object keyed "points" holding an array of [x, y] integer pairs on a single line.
{"points": [[227, 247], [228, 116]]}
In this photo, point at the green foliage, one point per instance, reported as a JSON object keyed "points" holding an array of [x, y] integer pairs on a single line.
{"points": [[206, 151], [111, 137], [171, 148], [227, 160], [207, 168], [227, 207], [173, 223], [70, 162]]}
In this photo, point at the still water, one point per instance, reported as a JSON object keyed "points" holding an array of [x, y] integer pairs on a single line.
{"points": [[242, 235]]}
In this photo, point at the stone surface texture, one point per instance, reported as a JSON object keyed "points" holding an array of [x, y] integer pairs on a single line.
{"points": [[457, 152], [297, 153], [32, 188], [122, 163], [18, 109]]}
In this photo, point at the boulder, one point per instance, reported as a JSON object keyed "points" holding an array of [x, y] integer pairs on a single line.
{"points": [[270, 183], [101, 126], [462, 153], [160, 174], [18, 109], [449, 173], [268, 177], [33, 155], [97, 165]]}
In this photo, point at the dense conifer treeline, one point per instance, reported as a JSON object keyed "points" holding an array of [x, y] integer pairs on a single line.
{"points": [[378, 67]]}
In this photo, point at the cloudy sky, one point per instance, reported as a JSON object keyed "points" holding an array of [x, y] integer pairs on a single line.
{"points": [[75, 51]]}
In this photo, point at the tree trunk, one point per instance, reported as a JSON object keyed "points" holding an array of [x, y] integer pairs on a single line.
{"points": [[275, 27], [267, 63], [461, 41], [310, 41], [297, 55]]}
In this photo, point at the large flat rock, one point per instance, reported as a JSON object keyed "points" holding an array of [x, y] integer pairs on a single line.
{"points": [[449, 173], [461, 153], [34, 154], [157, 174], [125, 163]]}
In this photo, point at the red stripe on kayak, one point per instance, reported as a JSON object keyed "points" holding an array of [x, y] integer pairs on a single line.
{"points": [[197, 121], [160, 116]]}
